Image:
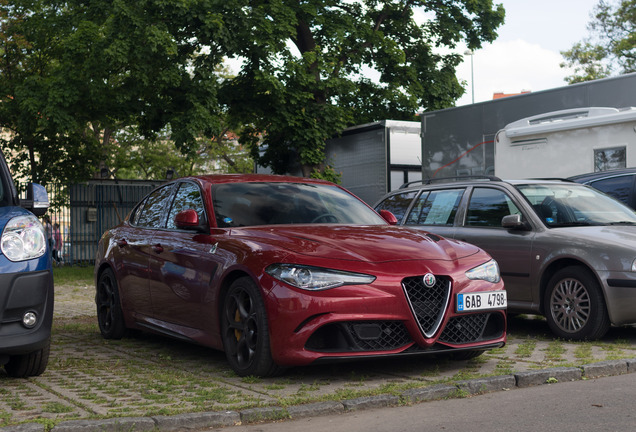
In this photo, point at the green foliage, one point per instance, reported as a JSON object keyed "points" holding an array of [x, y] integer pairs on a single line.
{"points": [[75, 73], [79, 78], [133, 156], [611, 46], [307, 65]]}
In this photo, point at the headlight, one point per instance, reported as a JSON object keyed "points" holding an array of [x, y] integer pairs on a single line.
{"points": [[488, 271], [634, 265], [23, 238], [315, 278]]}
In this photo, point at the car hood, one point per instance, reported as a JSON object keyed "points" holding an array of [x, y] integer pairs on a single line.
{"points": [[606, 235], [381, 243]]}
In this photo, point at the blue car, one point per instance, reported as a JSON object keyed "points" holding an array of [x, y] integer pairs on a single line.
{"points": [[26, 279]]}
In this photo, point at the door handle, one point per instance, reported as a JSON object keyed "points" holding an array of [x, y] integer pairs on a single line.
{"points": [[122, 243], [157, 248]]}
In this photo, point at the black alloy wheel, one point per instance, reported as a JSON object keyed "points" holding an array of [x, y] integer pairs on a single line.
{"points": [[110, 316], [246, 332]]}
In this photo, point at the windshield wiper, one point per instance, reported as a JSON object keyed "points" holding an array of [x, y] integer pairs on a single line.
{"points": [[622, 223]]}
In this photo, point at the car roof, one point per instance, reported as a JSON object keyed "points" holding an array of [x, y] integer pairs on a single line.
{"points": [[252, 178], [580, 178], [473, 180]]}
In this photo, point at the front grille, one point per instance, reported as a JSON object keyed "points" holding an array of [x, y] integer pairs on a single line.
{"points": [[473, 328], [357, 336], [427, 304]]}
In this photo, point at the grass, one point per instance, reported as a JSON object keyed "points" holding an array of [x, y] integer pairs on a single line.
{"points": [[526, 348], [73, 275]]}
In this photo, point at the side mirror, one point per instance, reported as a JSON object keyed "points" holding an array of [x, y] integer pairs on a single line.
{"points": [[389, 217], [37, 200], [514, 222], [188, 220]]}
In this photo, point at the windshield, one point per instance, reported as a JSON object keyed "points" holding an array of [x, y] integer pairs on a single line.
{"points": [[575, 205], [249, 204]]}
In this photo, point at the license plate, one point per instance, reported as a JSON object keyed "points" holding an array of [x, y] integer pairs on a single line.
{"points": [[481, 301]]}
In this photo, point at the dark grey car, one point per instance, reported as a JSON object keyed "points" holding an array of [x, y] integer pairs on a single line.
{"points": [[619, 183], [565, 250]]}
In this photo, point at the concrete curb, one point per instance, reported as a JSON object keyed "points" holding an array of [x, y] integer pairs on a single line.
{"points": [[230, 418]]}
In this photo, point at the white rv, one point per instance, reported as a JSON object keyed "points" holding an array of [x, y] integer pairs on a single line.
{"points": [[566, 143]]}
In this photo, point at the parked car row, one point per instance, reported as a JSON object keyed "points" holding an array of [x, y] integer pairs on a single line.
{"points": [[281, 271]]}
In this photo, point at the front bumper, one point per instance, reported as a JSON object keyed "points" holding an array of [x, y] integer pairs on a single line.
{"points": [[21, 293], [620, 296], [377, 320]]}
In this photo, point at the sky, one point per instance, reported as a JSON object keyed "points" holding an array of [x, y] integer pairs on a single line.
{"points": [[527, 53]]}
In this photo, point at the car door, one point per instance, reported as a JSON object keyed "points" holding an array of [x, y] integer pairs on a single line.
{"points": [[512, 249], [135, 250], [182, 266]]}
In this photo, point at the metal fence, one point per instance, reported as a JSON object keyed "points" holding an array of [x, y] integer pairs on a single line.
{"points": [[84, 211]]}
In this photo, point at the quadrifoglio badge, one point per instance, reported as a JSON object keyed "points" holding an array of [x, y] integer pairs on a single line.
{"points": [[429, 280]]}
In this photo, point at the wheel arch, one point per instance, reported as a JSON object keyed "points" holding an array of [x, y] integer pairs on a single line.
{"points": [[103, 267], [554, 267], [228, 280]]}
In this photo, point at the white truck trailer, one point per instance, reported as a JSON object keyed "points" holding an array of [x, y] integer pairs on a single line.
{"points": [[566, 143]]}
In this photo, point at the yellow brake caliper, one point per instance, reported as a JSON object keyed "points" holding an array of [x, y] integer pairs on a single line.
{"points": [[237, 318]]}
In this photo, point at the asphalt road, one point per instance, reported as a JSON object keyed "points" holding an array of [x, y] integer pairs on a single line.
{"points": [[603, 404]]}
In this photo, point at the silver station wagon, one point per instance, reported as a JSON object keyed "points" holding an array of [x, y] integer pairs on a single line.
{"points": [[565, 250]]}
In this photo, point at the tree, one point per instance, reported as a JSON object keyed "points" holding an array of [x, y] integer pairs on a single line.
{"points": [[38, 130], [134, 157], [78, 72], [75, 73], [611, 46], [308, 64]]}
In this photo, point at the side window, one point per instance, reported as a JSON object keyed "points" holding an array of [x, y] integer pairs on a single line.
{"points": [[397, 204], [618, 187], [187, 197], [437, 207], [150, 215], [488, 206], [134, 215]]}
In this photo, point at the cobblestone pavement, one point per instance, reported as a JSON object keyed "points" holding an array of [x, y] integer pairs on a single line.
{"points": [[90, 378]]}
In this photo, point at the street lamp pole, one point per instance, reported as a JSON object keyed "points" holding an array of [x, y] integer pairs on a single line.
{"points": [[472, 76]]}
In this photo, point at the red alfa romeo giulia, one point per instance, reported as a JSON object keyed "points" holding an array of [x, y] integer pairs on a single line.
{"points": [[282, 271]]}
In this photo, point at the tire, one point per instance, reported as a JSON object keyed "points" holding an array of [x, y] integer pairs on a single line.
{"points": [[31, 364], [245, 331], [110, 316], [574, 305]]}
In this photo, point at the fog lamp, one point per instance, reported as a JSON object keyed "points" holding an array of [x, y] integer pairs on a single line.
{"points": [[29, 319]]}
